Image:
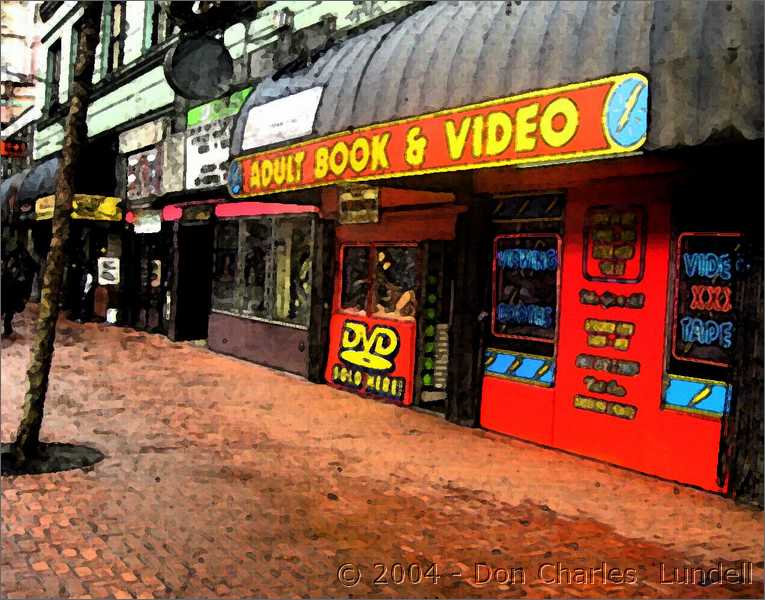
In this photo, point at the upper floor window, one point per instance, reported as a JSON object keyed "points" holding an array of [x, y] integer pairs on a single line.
{"points": [[161, 26], [73, 50], [116, 55], [53, 73]]}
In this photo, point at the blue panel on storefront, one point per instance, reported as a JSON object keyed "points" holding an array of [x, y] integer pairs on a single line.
{"points": [[697, 395], [529, 368], [534, 369], [500, 364]]}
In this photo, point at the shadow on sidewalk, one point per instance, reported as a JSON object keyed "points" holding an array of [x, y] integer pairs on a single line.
{"points": [[52, 458]]}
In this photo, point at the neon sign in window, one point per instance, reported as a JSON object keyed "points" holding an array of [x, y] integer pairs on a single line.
{"points": [[704, 320], [525, 290]]}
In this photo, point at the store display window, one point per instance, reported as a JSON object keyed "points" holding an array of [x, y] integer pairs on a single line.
{"points": [[380, 280], [263, 267]]}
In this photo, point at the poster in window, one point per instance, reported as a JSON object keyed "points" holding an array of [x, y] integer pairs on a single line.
{"points": [[614, 244], [108, 270], [526, 286], [704, 321]]}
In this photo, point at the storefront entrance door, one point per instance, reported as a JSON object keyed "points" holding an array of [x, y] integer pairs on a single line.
{"points": [[613, 313], [193, 289]]}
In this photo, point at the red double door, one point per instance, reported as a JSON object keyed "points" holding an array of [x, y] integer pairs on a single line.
{"points": [[606, 400]]}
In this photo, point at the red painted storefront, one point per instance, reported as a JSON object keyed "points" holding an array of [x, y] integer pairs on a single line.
{"points": [[596, 302], [371, 353], [636, 429]]}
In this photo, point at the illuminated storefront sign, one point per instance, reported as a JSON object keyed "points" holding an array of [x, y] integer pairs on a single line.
{"points": [[12, 149], [607, 116], [84, 206], [704, 322]]}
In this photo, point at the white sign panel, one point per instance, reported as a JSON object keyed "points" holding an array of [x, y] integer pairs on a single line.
{"points": [[281, 120], [207, 152], [147, 221], [144, 135], [174, 156], [108, 270]]}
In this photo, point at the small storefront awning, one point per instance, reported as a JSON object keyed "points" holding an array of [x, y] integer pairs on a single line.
{"points": [[9, 189], [704, 61], [40, 181]]}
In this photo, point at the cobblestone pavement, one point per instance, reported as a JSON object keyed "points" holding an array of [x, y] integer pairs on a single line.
{"points": [[227, 479]]}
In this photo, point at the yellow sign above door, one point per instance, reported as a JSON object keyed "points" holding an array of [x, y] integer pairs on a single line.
{"points": [[84, 206]]}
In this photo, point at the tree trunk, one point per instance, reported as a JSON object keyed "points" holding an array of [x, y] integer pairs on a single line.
{"points": [[75, 135]]}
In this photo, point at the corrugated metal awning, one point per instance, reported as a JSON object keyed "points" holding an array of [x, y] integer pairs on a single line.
{"points": [[9, 189], [704, 60], [40, 181]]}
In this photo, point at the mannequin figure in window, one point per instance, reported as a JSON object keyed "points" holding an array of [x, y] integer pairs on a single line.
{"points": [[255, 274]]}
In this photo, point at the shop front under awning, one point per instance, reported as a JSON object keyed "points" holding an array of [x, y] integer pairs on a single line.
{"points": [[704, 61]]}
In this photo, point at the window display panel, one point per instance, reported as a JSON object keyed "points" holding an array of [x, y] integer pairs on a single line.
{"points": [[525, 286], [256, 255], [263, 268], [395, 282], [225, 265], [293, 251], [355, 278]]}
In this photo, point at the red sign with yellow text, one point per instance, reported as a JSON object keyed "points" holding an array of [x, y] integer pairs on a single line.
{"points": [[603, 117], [372, 356]]}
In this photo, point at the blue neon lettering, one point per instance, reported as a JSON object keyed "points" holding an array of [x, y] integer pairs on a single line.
{"points": [[707, 264], [525, 314], [522, 258], [707, 332]]}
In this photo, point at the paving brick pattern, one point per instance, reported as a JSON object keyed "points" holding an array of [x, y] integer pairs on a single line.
{"points": [[223, 479]]}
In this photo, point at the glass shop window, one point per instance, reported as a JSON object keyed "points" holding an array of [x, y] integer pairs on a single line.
{"points": [[355, 278], [395, 282], [225, 265], [293, 244], [525, 299], [380, 280], [526, 261], [256, 250], [273, 258]]}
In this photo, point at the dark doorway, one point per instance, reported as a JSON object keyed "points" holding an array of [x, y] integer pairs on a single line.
{"points": [[195, 242], [151, 276]]}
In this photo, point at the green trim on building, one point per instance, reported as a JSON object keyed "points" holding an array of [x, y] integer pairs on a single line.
{"points": [[217, 109]]}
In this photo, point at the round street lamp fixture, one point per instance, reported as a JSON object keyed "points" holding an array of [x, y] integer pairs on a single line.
{"points": [[200, 67]]}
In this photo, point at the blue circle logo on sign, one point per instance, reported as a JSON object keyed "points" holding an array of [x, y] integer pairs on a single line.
{"points": [[234, 177], [627, 112]]}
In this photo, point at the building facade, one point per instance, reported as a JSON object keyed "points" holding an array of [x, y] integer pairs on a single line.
{"points": [[508, 214]]}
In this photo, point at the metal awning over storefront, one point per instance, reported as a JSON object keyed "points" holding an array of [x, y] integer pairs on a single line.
{"points": [[704, 61], [9, 189], [39, 181]]}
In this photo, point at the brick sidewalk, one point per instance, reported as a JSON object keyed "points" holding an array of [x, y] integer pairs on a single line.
{"points": [[226, 479]]}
